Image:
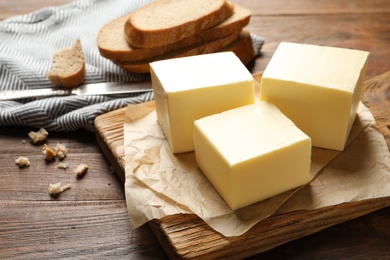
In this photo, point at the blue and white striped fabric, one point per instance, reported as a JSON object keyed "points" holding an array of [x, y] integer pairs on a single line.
{"points": [[27, 46]]}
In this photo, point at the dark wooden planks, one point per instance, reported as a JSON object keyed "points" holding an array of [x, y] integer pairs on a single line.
{"points": [[75, 229]]}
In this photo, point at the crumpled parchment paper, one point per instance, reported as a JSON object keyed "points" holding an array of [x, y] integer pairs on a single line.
{"points": [[159, 183]]}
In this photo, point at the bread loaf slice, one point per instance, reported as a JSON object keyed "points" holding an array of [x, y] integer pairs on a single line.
{"points": [[167, 21], [203, 48], [112, 44], [242, 47], [68, 66]]}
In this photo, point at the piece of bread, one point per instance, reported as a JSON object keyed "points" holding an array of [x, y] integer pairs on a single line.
{"points": [[56, 188], [242, 47], [112, 44], [203, 48], [22, 161], [81, 169], [166, 21], [68, 67], [38, 136]]}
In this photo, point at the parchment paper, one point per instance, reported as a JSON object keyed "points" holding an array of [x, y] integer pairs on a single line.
{"points": [[159, 183]]}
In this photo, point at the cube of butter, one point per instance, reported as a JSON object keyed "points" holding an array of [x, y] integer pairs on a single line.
{"points": [[186, 89], [318, 88], [252, 153]]}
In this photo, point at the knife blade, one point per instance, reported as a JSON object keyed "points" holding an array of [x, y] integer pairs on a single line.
{"points": [[105, 88]]}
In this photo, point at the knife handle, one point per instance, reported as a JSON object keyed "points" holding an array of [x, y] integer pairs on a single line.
{"points": [[32, 93]]}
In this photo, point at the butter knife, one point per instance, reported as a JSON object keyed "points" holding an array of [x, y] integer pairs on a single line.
{"points": [[106, 88]]}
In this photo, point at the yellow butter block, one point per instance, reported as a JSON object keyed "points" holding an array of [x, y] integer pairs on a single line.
{"points": [[189, 88], [252, 153], [318, 88]]}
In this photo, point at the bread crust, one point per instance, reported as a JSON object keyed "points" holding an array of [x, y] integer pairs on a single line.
{"points": [[112, 42], [241, 45], [139, 34]]}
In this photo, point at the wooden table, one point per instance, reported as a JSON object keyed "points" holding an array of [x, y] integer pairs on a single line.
{"points": [[91, 221]]}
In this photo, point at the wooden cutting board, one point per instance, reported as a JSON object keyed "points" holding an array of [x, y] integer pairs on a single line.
{"points": [[187, 236]]}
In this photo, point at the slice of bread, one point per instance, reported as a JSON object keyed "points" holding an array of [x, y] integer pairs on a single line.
{"points": [[205, 47], [167, 21], [112, 44], [68, 66], [242, 47]]}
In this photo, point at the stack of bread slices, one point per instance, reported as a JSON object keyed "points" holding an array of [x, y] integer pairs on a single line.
{"points": [[167, 29]]}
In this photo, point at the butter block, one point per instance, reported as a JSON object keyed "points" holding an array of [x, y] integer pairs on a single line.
{"points": [[252, 153], [189, 88], [318, 88]]}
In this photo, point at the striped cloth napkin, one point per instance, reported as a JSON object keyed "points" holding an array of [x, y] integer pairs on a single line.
{"points": [[27, 45]]}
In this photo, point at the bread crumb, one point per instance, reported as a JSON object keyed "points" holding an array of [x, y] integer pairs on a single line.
{"points": [[49, 153], [38, 136], [81, 169], [60, 151], [55, 189], [63, 165], [23, 141], [22, 161]]}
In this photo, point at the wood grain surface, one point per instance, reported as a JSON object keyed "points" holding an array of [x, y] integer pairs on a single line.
{"points": [[187, 236], [90, 220]]}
